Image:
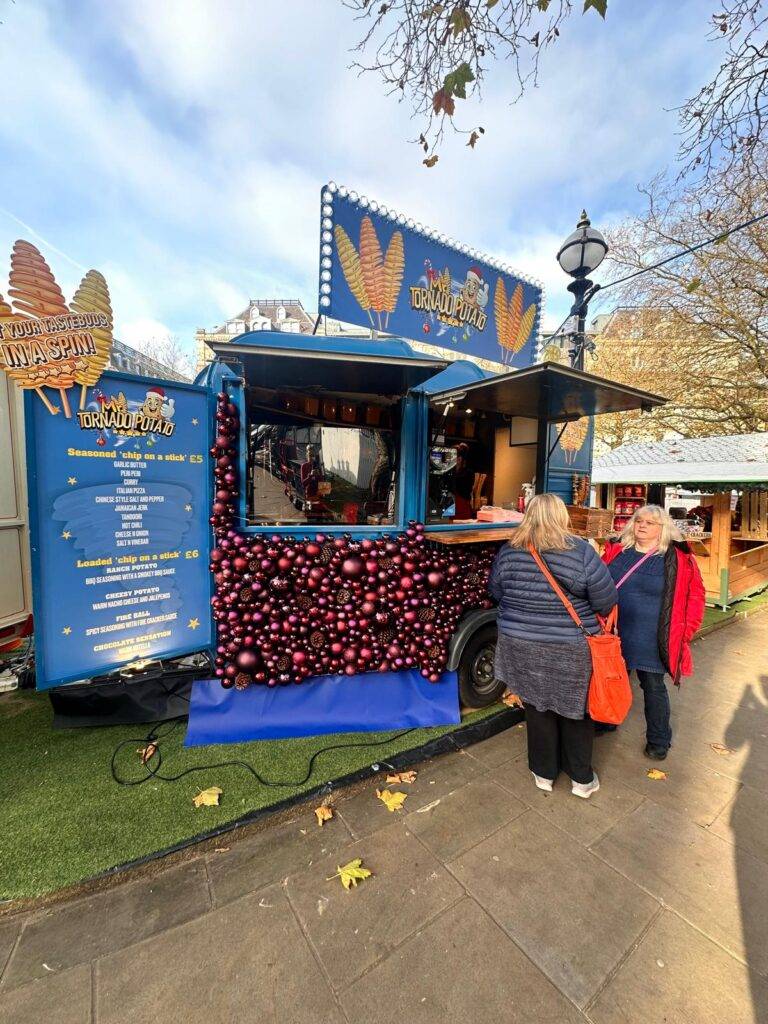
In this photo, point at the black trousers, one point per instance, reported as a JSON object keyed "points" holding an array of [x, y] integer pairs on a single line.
{"points": [[558, 744]]}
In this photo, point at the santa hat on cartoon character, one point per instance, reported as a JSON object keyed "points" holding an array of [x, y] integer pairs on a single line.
{"points": [[168, 403], [475, 274]]}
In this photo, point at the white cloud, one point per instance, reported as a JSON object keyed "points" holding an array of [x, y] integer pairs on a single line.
{"points": [[141, 332], [180, 147]]}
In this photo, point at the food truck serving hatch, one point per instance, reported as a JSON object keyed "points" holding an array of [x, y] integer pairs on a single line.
{"points": [[547, 391]]}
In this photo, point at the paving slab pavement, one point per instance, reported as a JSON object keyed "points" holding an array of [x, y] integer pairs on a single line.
{"points": [[490, 901]]}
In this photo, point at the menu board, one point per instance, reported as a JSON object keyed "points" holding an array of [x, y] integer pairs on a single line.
{"points": [[119, 504]]}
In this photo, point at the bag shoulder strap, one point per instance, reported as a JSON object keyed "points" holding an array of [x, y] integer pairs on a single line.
{"points": [[557, 588], [636, 566]]}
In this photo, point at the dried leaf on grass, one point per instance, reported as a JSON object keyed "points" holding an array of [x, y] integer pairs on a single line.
{"points": [[351, 873], [208, 797], [145, 753], [656, 773], [323, 813], [511, 700], [393, 801], [396, 777], [720, 748]]}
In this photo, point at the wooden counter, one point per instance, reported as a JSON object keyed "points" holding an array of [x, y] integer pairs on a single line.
{"points": [[483, 535]]}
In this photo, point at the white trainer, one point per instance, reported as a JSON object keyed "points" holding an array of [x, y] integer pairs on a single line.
{"points": [[586, 789], [545, 784]]}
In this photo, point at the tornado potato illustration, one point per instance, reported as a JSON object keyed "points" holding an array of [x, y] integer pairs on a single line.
{"points": [[36, 294], [573, 437], [373, 279], [92, 296], [350, 265], [513, 327], [392, 273]]}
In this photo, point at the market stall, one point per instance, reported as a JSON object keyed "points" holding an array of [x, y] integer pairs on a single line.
{"points": [[717, 490]]}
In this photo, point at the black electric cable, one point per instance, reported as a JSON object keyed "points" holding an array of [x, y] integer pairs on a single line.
{"points": [[154, 762]]}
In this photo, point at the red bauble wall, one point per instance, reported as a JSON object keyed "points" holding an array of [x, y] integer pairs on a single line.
{"points": [[287, 609]]}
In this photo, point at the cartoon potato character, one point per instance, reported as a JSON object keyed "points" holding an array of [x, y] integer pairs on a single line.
{"points": [[474, 291], [156, 405]]}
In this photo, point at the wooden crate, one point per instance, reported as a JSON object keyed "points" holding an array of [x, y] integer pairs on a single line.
{"points": [[590, 522]]}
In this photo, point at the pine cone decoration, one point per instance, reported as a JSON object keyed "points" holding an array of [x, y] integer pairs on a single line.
{"points": [[343, 596], [305, 602], [385, 563], [246, 596], [283, 663], [242, 681], [317, 639], [327, 551], [387, 636], [474, 579], [427, 614], [434, 654], [253, 566]]}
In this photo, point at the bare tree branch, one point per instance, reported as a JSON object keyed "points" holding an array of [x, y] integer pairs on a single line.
{"points": [[695, 330], [723, 124]]}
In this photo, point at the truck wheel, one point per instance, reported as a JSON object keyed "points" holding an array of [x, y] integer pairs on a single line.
{"points": [[478, 686]]}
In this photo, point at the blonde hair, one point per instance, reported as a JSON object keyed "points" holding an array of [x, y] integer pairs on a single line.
{"points": [[545, 525], [669, 532]]}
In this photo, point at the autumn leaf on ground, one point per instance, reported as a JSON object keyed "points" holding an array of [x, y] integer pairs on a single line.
{"points": [[145, 753], [393, 801], [720, 748], [511, 700], [351, 873], [323, 814], [656, 773], [407, 777], [208, 797]]}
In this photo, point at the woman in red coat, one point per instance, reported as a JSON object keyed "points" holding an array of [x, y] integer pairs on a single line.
{"points": [[661, 605]]}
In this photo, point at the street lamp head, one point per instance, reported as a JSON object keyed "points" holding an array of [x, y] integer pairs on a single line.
{"points": [[584, 250]]}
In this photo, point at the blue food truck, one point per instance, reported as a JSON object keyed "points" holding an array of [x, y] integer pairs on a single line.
{"points": [[350, 451]]}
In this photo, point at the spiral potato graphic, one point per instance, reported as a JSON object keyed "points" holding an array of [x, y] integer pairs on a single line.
{"points": [[392, 276], [33, 287], [374, 280], [36, 296], [513, 327], [573, 438], [92, 296]]}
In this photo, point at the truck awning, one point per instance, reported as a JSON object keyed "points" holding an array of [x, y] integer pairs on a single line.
{"points": [[546, 391], [385, 366]]}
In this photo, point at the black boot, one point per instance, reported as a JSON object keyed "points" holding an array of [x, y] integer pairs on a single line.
{"points": [[654, 752], [601, 727]]}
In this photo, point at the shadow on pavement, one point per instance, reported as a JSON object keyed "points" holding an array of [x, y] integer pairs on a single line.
{"points": [[749, 819]]}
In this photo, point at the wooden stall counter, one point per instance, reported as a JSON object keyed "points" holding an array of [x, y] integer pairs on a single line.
{"points": [[482, 535]]}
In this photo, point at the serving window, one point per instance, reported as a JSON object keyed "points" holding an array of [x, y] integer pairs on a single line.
{"points": [[321, 460], [477, 459]]}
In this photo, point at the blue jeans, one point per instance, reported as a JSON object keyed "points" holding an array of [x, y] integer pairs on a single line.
{"points": [[658, 730]]}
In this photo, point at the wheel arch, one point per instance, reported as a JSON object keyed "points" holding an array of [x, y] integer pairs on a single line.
{"points": [[467, 628]]}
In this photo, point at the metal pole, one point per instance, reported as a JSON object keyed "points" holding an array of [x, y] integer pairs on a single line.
{"points": [[582, 290]]}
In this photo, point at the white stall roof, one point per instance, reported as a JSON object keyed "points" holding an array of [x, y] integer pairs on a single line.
{"points": [[740, 458]]}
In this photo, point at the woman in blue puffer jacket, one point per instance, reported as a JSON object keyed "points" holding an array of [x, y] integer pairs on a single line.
{"points": [[541, 653]]}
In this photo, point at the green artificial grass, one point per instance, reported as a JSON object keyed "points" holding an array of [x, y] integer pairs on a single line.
{"points": [[64, 819]]}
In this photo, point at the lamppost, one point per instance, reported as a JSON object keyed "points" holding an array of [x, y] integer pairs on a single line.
{"points": [[580, 254]]}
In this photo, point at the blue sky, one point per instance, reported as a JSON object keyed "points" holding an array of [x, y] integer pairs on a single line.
{"points": [[179, 146]]}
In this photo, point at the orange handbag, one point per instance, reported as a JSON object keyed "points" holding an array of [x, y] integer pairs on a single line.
{"points": [[610, 695]]}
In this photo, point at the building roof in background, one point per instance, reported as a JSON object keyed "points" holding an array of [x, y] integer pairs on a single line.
{"points": [[737, 458], [130, 360], [292, 308]]}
